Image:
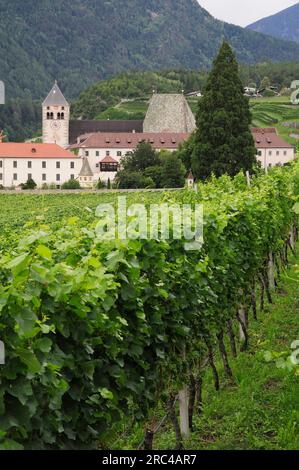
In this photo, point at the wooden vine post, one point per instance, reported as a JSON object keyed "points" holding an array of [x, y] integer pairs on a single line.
{"points": [[271, 271], [184, 411], [292, 238], [184, 407], [242, 323]]}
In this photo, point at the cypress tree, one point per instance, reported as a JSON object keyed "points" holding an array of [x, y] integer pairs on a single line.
{"points": [[223, 142]]}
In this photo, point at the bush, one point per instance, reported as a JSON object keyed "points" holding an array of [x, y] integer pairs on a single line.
{"points": [[71, 184], [100, 184], [30, 184], [268, 93], [133, 180]]}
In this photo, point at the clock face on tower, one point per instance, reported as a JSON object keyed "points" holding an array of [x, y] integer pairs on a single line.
{"points": [[55, 125]]}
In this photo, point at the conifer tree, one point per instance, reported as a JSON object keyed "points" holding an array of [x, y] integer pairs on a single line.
{"points": [[223, 142]]}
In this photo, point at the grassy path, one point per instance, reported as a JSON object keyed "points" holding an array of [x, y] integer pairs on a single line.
{"points": [[261, 411]]}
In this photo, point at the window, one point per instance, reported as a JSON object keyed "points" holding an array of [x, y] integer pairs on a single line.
{"points": [[1, 176], [62, 116], [285, 153], [86, 153], [270, 152], [97, 153], [44, 177], [58, 165], [277, 152], [15, 164], [57, 177], [259, 153], [72, 177], [107, 153], [15, 176], [58, 116], [44, 164], [109, 167], [29, 164], [29, 176], [72, 165], [1, 164], [119, 153]]}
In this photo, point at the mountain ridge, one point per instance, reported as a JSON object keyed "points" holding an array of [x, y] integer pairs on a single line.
{"points": [[283, 25], [79, 42]]}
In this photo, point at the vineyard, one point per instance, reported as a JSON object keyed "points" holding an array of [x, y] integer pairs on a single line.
{"points": [[97, 331]]}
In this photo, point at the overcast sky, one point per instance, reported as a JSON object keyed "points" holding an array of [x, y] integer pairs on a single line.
{"points": [[244, 12]]}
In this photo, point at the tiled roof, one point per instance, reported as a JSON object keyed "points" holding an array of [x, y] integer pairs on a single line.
{"points": [[267, 130], [108, 159], [79, 128], [169, 112], [32, 150], [268, 138], [55, 97], [131, 140]]}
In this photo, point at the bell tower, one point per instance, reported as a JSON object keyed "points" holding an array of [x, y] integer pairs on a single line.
{"points": [[56, 118]]}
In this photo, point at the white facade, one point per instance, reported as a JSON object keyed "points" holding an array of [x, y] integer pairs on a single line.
{"points": [[96, 155], [275, 156], [15, 171]]}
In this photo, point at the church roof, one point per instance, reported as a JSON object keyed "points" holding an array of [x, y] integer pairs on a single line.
{"points": [[86, 170], [55, 97], [169, 112]]}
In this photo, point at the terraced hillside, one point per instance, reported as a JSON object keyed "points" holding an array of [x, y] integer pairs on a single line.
{"points": [[279, 113], [269, 112]]}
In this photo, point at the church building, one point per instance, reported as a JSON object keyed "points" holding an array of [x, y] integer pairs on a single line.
{"points": [[56, 118]]}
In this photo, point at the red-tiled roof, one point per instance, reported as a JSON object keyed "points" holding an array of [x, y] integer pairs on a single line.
{"points": [[267, 130], [266, 138], [32, 150], [108, 160], [131, 140]]}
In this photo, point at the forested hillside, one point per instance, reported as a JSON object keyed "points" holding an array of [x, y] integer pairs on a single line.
{"points": [[125, 96], [81, 41]]}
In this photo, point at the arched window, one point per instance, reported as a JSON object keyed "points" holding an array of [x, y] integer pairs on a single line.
{"points": [[58, 116], [51, 115], [48, 115], [62, 116]]}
